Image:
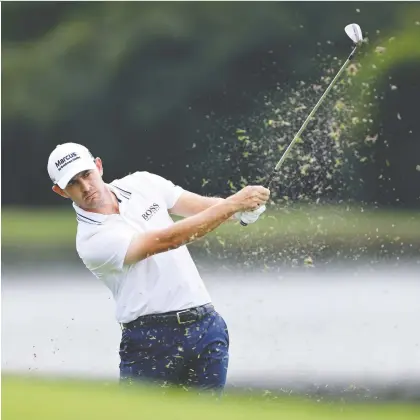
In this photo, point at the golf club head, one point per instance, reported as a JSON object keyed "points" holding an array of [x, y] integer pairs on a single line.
{"points": [[354, 32]]}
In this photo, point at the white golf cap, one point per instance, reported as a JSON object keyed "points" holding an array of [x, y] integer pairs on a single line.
{"points": [[67, 160]]}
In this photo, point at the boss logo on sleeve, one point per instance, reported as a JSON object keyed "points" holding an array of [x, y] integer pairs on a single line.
{"points": [[147, 215]]}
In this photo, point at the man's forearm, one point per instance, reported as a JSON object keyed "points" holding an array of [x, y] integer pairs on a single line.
{"points": [[212, 201], [190, 204], [206, 202], [197, 226]]}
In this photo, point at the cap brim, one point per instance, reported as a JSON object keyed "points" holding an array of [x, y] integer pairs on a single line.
{"points": [[75, 169]]}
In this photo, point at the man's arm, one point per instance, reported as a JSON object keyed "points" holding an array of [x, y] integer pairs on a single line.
{"points": [[191, 228], [180, 233], [190, 204]]}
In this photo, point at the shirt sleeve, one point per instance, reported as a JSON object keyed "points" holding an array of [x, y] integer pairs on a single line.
{"points": [[104, 252], [166, 188]]}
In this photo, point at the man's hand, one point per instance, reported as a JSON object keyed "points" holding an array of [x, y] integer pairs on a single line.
{"points": [[249, 217], [250, 198]]}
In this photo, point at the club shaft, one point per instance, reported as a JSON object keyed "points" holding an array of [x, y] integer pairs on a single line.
{"points": [[305, 123], [297, 135]]}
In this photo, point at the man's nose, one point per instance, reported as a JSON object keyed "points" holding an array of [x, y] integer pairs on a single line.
{"points": [[84, 185]]}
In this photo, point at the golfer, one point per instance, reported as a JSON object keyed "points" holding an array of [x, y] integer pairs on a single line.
{"points": [[171, 333]]}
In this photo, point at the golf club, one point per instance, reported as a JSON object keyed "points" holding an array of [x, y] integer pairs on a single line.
{"points": [[355, 33]]}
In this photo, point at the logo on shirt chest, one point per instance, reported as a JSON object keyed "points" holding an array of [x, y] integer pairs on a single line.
{"points": [[148, 214]]}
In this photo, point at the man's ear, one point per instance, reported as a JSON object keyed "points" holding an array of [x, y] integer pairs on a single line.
{"points": [[59, 191], [98, 162]]}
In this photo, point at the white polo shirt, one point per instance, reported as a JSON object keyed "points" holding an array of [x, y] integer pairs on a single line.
{"points": [[165, 282]]}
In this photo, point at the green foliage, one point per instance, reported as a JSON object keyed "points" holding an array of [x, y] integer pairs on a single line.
{"points": [[149, 85], [39, 399], [389, 51], [76, 60]]}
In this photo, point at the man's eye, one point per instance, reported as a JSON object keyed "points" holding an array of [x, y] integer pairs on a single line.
{"points": [[86, 174]]}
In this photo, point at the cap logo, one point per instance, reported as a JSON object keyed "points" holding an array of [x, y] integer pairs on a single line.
{"points": [[61, 163]]}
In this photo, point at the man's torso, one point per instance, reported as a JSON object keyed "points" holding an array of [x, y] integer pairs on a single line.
{"points": [[164, 282]]}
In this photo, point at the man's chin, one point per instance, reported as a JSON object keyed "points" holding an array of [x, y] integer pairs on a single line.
{"points": [[92, 204]]}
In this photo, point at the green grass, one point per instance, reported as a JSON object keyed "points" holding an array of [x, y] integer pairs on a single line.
{"points": [[38, 226], [38, 399], [58, 227]]}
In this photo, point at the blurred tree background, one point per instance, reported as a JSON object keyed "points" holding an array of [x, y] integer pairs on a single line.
{"points": [[167, 87]]}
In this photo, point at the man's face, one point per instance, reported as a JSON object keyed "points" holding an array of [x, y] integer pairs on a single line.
{"points": [[86, 189]]}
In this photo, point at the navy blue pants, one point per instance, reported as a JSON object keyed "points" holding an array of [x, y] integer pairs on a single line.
{"points": [[190, 355]]}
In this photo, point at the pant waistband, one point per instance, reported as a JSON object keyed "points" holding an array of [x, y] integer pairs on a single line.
{"points": [[186, 316]]}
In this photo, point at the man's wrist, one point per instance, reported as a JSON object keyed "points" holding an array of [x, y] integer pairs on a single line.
{"points": [[231, 206]]}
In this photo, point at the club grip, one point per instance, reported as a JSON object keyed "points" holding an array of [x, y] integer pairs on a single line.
{"points": [[268, 181], [266, 185]]}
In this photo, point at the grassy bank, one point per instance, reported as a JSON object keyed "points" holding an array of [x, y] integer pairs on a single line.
{"points": [[38, 399], [51, 227]]}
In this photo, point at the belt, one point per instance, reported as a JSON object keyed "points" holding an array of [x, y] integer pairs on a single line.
{"points": [[186, 316]]}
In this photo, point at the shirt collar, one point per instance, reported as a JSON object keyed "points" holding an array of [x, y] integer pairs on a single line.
{"points": [[99, 218]]}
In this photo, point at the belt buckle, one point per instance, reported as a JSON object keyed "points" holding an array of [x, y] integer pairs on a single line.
{"points": [[179, 319]]}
